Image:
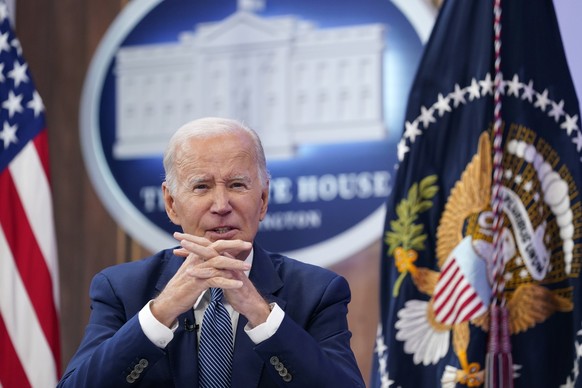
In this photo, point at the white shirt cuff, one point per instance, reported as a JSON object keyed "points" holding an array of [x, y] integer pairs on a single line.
{"points": [[266, 330], [157, 332]]}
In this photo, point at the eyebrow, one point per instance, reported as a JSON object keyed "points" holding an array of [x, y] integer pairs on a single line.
{"points": [[240, 178], [202, 179], [199, 178]]}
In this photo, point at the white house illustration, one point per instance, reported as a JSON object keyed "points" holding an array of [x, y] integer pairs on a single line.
{"points": [[294, 84]]}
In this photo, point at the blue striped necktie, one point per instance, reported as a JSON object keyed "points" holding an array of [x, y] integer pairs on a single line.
{"points": [[216, 344]]}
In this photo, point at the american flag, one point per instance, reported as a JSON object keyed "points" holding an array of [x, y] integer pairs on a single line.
{"points": [[29, 285]]}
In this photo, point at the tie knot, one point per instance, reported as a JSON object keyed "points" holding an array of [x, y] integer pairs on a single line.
{"points": [[216, 295]]}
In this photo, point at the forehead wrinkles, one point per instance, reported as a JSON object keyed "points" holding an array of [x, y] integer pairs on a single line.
{"points": [[195, 166]]}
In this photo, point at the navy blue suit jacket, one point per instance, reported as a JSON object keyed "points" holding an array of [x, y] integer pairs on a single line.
{"points": [[312, 343]]}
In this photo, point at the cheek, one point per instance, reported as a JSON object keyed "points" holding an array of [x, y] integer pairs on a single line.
{"points": [[185, 207], [191, 207]]}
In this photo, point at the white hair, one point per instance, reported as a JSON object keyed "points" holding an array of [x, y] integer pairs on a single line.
{"points": [[203, 128]]}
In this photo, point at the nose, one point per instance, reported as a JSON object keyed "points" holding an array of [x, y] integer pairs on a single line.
{"points": [[221, 201]]}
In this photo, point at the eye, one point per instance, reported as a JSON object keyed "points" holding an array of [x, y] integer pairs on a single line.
{"points": [[200, 187], [238, 185]]}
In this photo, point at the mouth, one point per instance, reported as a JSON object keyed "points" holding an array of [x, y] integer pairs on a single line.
{"points": [[222, 229]]}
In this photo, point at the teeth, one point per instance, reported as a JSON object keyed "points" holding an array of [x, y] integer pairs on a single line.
{"points": [[222, 230]]}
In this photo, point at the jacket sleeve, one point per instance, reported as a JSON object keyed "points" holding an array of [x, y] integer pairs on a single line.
{"points": [[317, 354], [114, 345]]}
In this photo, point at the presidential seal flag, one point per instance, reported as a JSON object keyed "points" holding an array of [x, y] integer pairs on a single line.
{"points": [[29, 325], [492, 106]]}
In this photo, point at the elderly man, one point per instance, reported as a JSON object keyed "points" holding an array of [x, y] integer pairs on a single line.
{"points": [[218, 311]]}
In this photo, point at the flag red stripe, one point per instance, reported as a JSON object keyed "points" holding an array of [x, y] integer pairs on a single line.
{"points": [[471, 313], [42, 149], [11, 372], [462, 301], [453, 298], [443, 287], [29, 260], [448, 272]]}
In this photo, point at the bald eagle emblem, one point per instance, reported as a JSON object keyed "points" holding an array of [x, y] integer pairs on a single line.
{"points": [[539, 254]]}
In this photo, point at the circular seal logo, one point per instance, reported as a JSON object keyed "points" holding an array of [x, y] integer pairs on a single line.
{"points": [[321, 82]]}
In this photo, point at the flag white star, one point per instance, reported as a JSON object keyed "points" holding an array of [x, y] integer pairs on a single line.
{"points": [[8, 134], [13, 104], [442, 105], [4, 46], [382, 363], [557, 110], [570, 124], [412, 131], [528, 92], [402, 149], [2, 78], [542, 100], [473, 90], [386, 382], [513, 86], [569, 383], [36, 104], [426, 116], [578, 141], [486, 85], [16, 44], [18, 73], [380, 346], [458, 96], [501, 87]]}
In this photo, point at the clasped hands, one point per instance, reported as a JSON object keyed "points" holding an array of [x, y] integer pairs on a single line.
{"points": [[210, 264]]}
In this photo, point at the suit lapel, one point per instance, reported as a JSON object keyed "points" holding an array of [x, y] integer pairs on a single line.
{"points": [[248, 366], [183, 353], [183, 349]]}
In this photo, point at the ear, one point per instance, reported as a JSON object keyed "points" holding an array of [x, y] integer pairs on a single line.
{"points": [[170, 205], [265, 204]]}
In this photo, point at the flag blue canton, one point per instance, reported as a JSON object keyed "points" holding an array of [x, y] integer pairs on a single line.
{"points": [[436, 277], [21, 113]]}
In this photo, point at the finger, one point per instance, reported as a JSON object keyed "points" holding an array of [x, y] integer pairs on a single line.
{"points": [[213, 277], [191, 258], [224, 283], [226, 263], [190, 237], [181, 252], [232, 248], [204, 252]]}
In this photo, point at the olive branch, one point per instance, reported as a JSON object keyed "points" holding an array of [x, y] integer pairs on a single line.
{"points": [[407, 238]]}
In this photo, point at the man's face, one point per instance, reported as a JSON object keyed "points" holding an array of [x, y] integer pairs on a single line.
{"points": [[219, 194]]}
